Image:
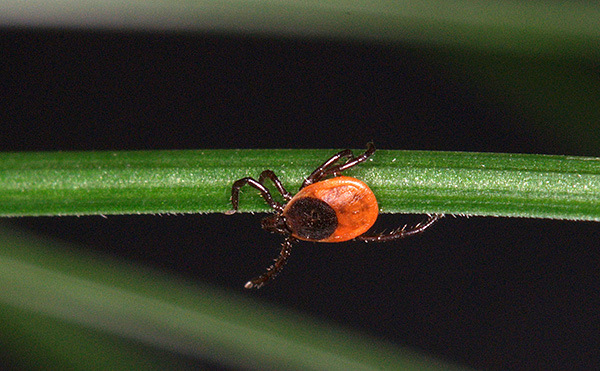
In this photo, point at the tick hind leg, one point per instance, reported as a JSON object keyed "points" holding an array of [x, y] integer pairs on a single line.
{"points": [[402, 232], [275, 268], [330, 167]]}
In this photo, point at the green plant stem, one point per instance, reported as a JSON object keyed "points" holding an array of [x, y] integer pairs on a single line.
{"points": [[85, 183]]}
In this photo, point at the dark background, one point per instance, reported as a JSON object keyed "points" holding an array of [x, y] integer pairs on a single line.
{"points": [[490, 293]]}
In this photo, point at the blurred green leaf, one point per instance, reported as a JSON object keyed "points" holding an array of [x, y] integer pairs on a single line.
{"points": [[560, 28], [159, 311]]}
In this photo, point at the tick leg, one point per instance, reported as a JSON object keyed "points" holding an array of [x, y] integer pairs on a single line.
{"points": [[235, 193], [328, 168], [353, 161], [403, 232], [271, 175], [317, 175], [273, 270]]}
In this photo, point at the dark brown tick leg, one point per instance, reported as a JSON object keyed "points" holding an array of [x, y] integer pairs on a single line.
{"points": [[280, 188], [403, 232], [273, 270], [235, 193], [328, 168]]}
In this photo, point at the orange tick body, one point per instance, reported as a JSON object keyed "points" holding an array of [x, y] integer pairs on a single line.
{"points": [[333, 210], [328, 208]]}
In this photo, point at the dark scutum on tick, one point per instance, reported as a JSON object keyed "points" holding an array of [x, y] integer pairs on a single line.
{"points": [[307, 217], [312, 219]]}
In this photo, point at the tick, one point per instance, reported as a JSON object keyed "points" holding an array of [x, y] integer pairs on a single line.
{"points": [[328, 208]]}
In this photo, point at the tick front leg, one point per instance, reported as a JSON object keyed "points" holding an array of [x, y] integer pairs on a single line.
{"points": [[264, 191], [269, 174], [273, 270]]}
